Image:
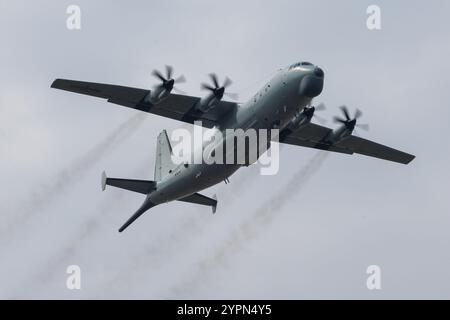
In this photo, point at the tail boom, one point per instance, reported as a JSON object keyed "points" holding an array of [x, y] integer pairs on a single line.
{"points": [[143, 209]]}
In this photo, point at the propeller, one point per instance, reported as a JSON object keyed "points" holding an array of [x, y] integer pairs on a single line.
{"points": [[219, 90], [350, 123], [310, 112], [168, 82]]}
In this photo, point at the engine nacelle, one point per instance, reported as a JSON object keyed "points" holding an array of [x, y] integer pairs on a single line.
{"points": [[157, 95], [299, 120], [207, 103], [338, 135]]}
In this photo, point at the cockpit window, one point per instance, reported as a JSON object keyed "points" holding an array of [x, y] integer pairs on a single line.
{"points": [[303, 63]]}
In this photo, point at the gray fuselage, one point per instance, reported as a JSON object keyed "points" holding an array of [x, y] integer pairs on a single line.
{"points": [[273, 106]]}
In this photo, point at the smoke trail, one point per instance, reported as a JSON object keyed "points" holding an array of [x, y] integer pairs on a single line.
{"points": [[63, 254], [179, 236], [89, 228], [253, 225], [59, 259], [45, 194]]}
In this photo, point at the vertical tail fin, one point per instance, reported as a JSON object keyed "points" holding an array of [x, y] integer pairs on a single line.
{"points": [[163, 163]]}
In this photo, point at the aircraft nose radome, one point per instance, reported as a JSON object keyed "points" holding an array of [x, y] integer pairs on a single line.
{"points": [[311, 85], [319, 72]]}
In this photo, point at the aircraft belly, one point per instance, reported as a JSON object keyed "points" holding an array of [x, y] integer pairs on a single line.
{"points": [[272, 108], [195, 179], [276, 107]]}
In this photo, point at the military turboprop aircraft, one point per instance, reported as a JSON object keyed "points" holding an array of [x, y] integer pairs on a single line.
{"points": [[285, 103]]}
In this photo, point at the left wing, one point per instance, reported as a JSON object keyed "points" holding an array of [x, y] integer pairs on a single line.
{"points": [[314, 136], [177, 107]]}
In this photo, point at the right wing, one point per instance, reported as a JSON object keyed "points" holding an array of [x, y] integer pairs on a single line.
{"points": [[311, 136], [373, 149], [314, 136], [177, 107]]}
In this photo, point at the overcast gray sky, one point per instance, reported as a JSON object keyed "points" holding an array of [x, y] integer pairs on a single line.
{"points": [[344, 214]]}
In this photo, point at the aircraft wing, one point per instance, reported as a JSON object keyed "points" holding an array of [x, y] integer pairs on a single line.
{"points": [[177, 107], [313, 136], [376, 150]]}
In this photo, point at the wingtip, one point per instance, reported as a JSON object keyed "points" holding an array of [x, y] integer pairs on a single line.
{"points": [[214, 207], [104, 180], [408, 158], [54, 84], [411, 159]]}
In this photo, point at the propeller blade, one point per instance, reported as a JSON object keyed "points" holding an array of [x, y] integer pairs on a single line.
{"points": [[206, 86], [180, 79], [345, 112], [339, 120], [169, 72], [214, 79], [358, 114], [321, 107], [158, 75], [364, 127], [227, 82], [168, 81]]}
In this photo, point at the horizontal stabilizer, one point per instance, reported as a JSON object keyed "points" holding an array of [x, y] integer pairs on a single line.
{"points": [[198, 198], [139, 186]]}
